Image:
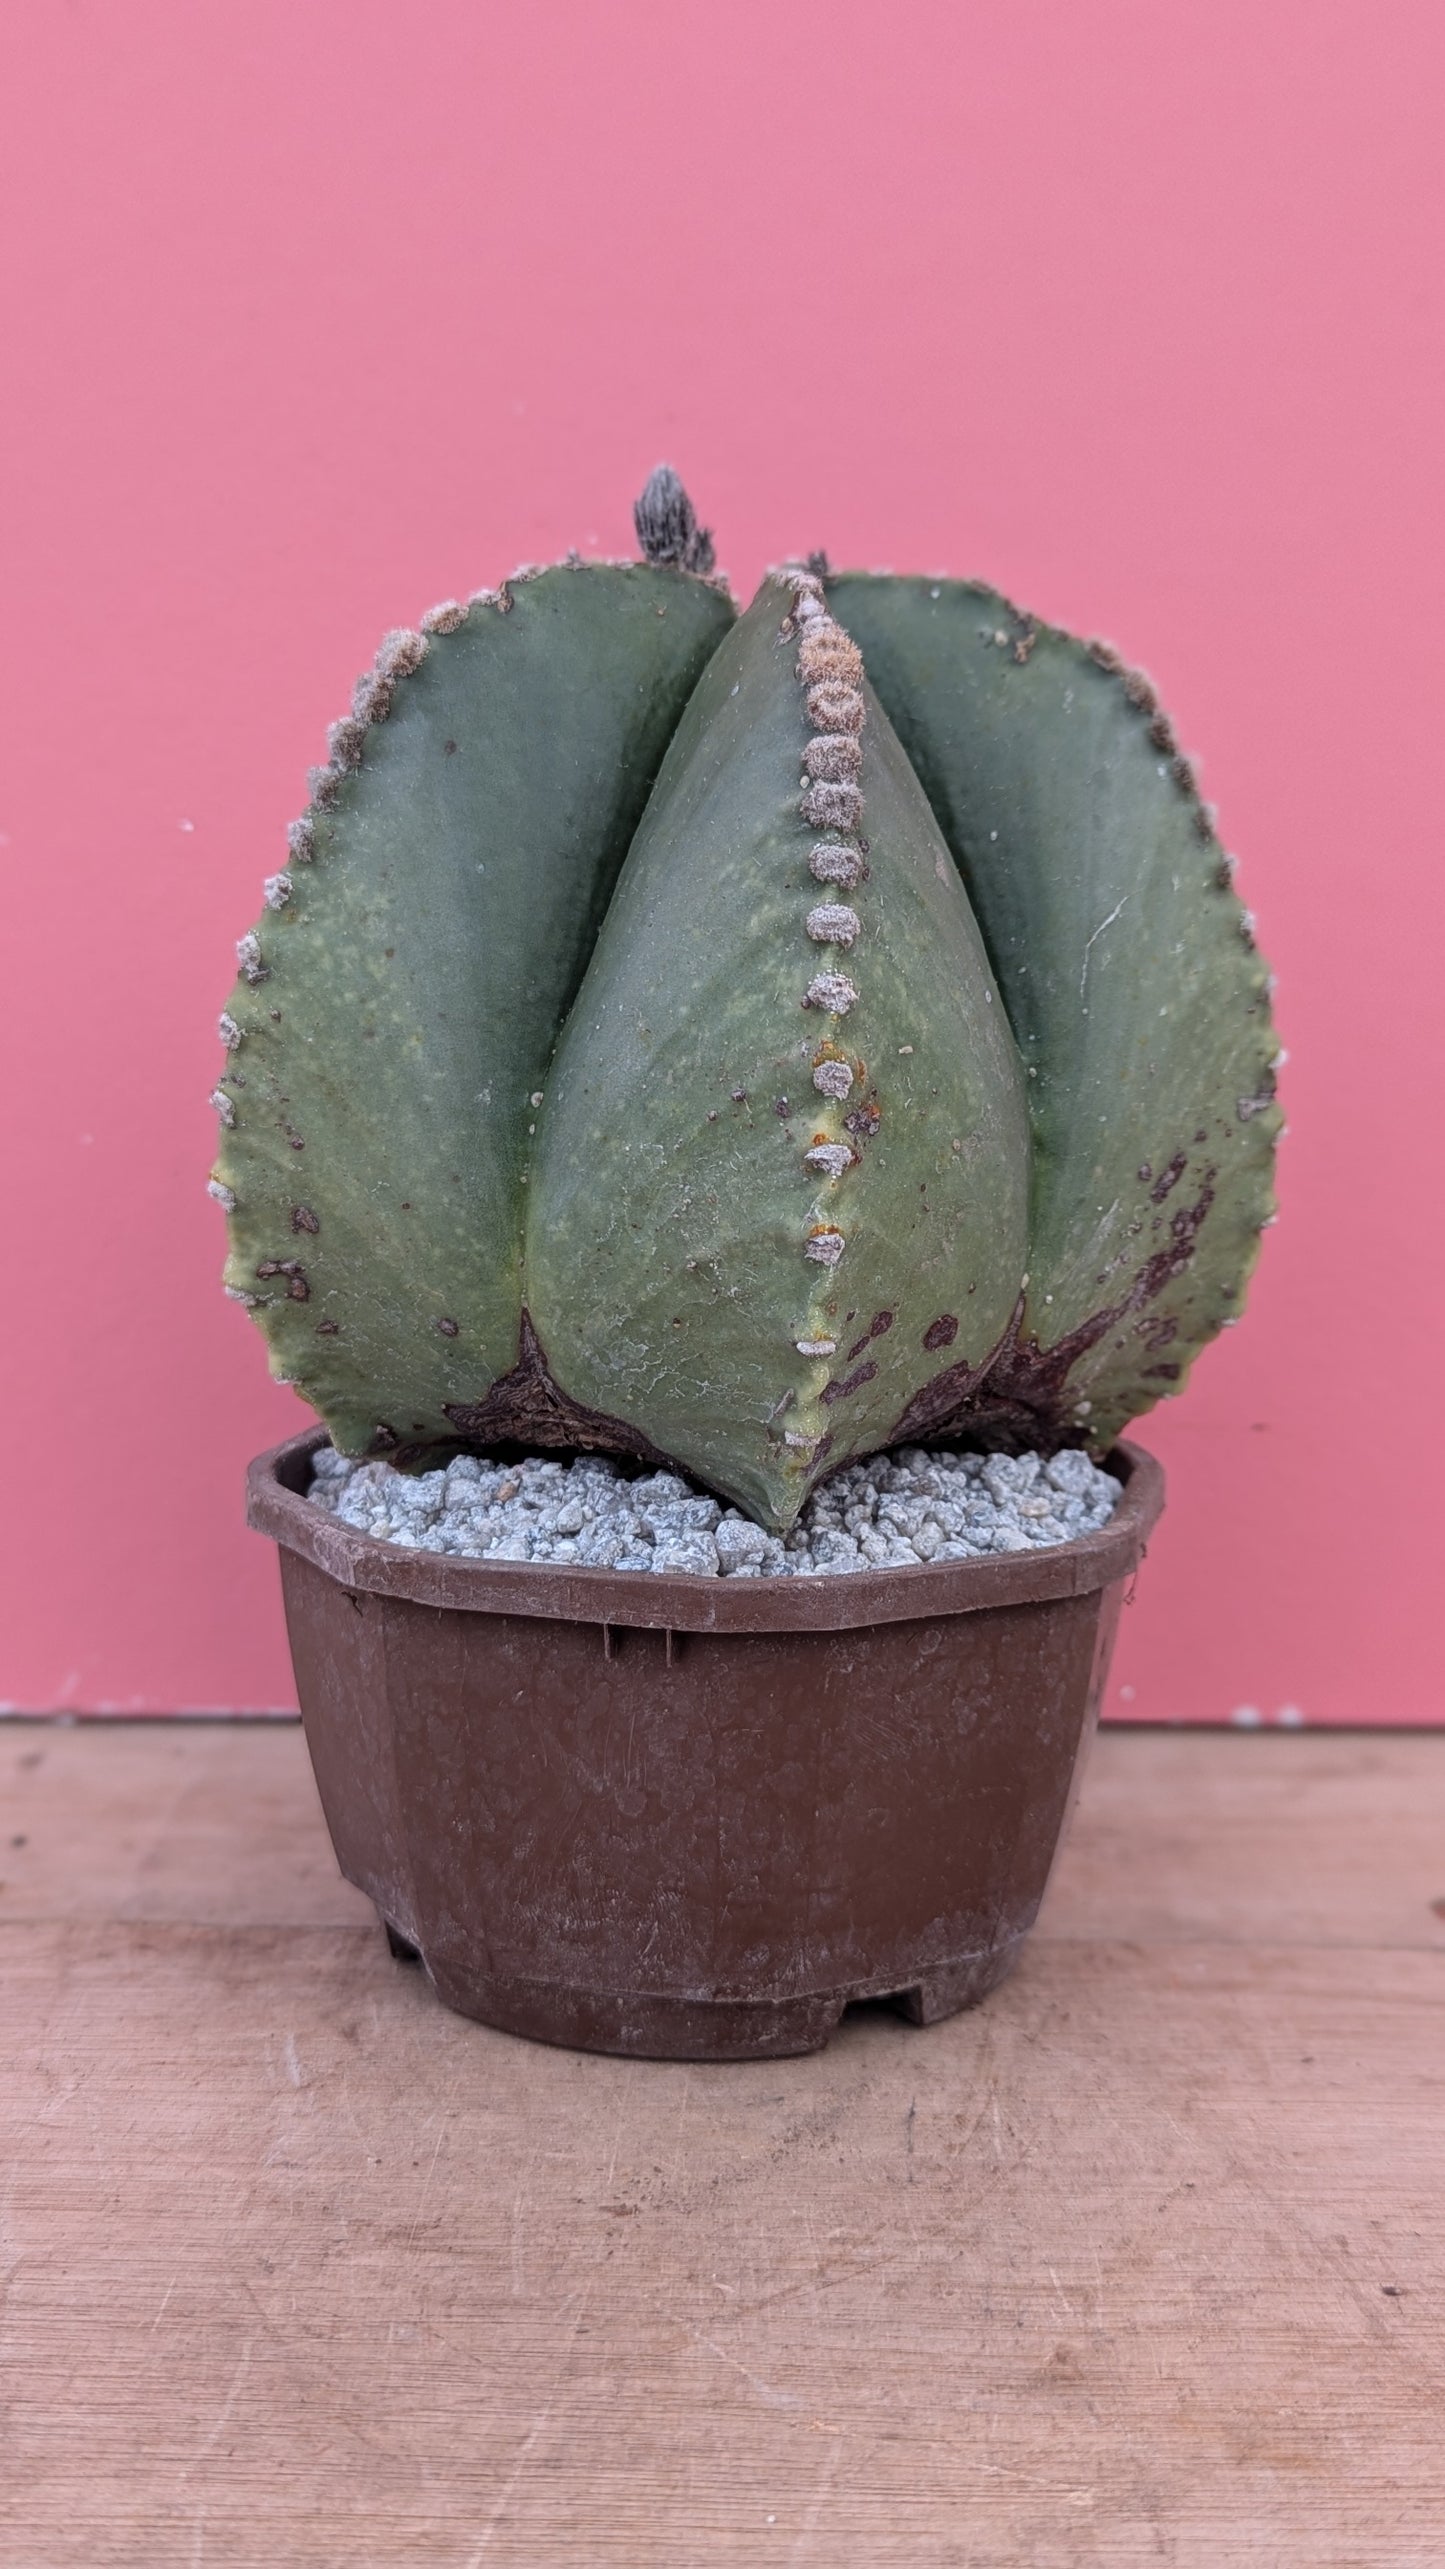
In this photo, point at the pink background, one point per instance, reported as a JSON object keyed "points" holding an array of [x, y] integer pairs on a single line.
{"points": [[316, 313]]}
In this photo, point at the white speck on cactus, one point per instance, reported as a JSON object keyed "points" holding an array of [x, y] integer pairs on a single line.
{"points": [[816, 1346], [444, 618], [833, 991], [826, 1246], [832, 1078], [301, 842], [277, 890], [223, 1105], [832, 923], [248, 956], [233, 1293], [228, 1030], [224, 1195], [831, 1157]]}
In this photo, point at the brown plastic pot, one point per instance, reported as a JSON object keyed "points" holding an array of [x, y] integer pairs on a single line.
{"points": [[694, 1818]]}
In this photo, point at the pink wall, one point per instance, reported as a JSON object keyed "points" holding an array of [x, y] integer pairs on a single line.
{"points": [[315, 313]]}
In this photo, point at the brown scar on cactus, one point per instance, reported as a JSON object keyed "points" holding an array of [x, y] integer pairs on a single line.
{"points": [[878, 1327], [297, 1288], [849, 1384]]}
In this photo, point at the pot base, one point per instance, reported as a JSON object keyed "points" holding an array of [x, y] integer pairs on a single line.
{"points": [[642, 2025]]}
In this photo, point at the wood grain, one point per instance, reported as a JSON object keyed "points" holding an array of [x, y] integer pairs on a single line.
{"points": [[1140, 2264]]}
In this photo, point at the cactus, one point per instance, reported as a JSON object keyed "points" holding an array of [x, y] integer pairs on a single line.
{"points": [[744, 1041]]}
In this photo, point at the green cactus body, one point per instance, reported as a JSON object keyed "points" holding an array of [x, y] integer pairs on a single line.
{"points": [[662, 1042], [1133, 985]]}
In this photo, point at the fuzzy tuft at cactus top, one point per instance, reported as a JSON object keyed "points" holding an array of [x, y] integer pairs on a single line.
{"points": [[744, 1041]]}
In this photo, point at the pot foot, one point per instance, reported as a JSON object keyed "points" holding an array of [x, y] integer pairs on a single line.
{"points": [[400, 1947], [641, 2026], [956, 1985]]}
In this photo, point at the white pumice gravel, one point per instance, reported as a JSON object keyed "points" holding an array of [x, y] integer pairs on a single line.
{"points": [[892, 1512]]}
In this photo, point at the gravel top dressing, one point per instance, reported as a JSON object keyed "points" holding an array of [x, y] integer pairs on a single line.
{"points": [[892, 1512]]}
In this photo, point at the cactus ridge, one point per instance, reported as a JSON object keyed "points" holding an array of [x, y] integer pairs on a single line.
{"points": [[793, 1189], [1133, 984], [394, 1017]]}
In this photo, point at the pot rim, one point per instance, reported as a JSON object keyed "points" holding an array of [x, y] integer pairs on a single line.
{"points": [[680, 1601]]}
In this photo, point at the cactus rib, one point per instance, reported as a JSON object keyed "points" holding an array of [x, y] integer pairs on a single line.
{"points": [[691, 1266], [1128, 968], [396, 1013]]}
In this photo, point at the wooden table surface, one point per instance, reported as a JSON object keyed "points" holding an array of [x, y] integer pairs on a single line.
{"points": [[1140, 2265]]}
